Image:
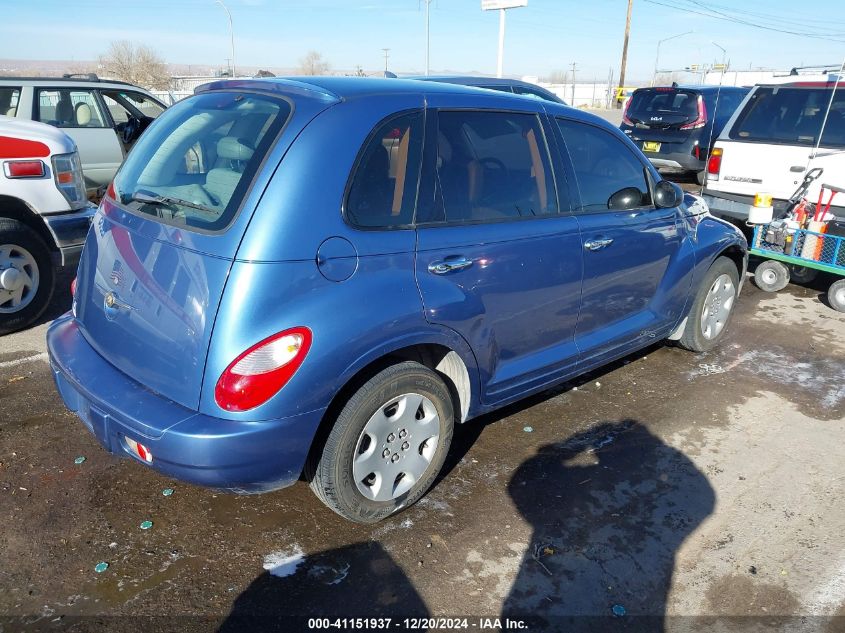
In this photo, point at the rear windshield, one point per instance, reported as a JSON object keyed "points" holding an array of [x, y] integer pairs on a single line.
{"points": [[792, 116], [193, 167], [649, 102]]}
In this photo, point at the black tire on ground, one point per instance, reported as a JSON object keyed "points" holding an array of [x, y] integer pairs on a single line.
{"points": [[694, 337], [330, 470], [836, 295], [18, 234], [802, 274], [700, 177], [771, 276]]}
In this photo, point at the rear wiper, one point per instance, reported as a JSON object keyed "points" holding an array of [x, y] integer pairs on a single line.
{"points": [[140, 196]]}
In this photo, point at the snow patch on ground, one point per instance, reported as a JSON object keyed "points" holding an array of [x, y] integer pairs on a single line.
{"points": [[284, 563]]}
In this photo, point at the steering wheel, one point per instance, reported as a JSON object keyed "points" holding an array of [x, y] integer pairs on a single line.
{"points": [[131, 129]]}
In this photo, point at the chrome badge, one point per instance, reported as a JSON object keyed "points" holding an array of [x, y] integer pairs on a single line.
{"points": [[112, 305]]}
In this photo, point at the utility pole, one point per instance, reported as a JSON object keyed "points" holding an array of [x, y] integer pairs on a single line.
{"points": [[427, 37], [625, 49], [572, 103], [231, 32], [386, 57]]}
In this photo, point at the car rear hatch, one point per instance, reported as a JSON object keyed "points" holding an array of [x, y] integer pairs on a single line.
{"points": [[664, 115], [158, 256]]}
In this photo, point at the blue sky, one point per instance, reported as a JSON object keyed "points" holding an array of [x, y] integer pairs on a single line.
{"points": [[545, 36]]}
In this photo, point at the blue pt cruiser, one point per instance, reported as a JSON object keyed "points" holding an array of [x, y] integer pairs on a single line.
{"points": [[320, 278]]}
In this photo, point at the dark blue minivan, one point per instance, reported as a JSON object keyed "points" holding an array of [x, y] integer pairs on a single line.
{"points": [[320, 278]]}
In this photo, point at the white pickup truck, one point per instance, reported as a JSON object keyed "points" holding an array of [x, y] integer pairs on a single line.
{"points": [[44, 217]]}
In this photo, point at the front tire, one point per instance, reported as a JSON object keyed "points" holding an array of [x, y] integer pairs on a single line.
{"points": [[771, 276], [836, 295], [27, 276], [387, 446], [712, 308]]}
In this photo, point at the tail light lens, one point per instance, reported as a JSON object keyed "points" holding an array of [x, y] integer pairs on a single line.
{"points": [[714, 163], [67, 172], [625, 118], [701, 119], [261, 371], [24, 168]]}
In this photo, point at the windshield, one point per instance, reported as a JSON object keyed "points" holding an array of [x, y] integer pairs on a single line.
{"points": [[193, 167], [649, 102], [793, 116]]}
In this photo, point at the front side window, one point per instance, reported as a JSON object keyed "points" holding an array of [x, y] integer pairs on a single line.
{"points": [[383, 191], [195, 166], [603, 166], [493, 166], [793, 116], [9, 101], [69, 108], [124, 103]]}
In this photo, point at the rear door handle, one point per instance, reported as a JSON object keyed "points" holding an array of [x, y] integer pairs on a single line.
{"points": [[598, 244], [456, 262]]}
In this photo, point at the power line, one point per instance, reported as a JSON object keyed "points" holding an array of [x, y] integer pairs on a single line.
{"points": [[736, 20], [744, 21]]}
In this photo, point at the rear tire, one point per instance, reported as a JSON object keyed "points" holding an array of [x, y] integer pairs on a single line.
{"points": [[802, 274], [771, 276], [836, 295], [700, 177], [712, 308], [27, 276], [387, 445]]}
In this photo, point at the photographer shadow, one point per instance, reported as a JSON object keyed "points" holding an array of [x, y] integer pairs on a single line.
{"points": [[609, 509]]}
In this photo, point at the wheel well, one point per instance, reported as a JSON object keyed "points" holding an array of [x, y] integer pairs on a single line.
{"points": [[737, 256], [16, 209], [439, 358]]}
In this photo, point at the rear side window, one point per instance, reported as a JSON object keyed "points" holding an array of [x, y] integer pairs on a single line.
{"points": [[194, 167], [792, 116], [383, 191], [9, 101], [603, 166], [72, 108], [493, 166]]}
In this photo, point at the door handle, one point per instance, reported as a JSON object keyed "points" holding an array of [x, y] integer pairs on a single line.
{"points": [[449, 264], [598, 244]]}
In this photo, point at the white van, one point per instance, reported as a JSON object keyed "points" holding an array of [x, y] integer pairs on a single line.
{"points": [[770, 143]]}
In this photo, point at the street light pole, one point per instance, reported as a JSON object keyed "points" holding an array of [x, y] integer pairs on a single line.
{"points": [[724, 53], [501, 63], [427, 37], [231, 33], [657, 57]]}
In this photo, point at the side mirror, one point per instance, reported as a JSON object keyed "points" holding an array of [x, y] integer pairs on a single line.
{"points": [[667, 195], [626, 199]]}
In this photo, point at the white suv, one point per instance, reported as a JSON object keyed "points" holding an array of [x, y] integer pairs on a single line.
{"points": [[772, 141], [104, 118]]}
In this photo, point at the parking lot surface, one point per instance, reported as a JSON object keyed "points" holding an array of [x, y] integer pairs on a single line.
{"points": [[669, 485]]}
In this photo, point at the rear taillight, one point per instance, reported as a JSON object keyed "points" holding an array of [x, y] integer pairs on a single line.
{"points": [[73, 287], [261, 371], [67, 172], [714, 164], [625, 118], [24, 169], [701, 119]]}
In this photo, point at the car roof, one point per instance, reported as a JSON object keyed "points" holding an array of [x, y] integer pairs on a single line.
{"points": [[346, 87], [698, 88], [81, 80]]}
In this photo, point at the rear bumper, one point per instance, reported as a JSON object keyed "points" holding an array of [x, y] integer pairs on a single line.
{"points": [[676, 161], [736, 207], [69, 231], [242, 457]]}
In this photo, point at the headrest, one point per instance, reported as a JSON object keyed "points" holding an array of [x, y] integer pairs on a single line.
{"points": [[64, 110], [82, 113], [233, 149]]}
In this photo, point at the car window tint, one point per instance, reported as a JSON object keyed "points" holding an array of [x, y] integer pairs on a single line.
{"points": [[792, 115], [384, 188], [70, 108], [529, 92], [603, 165], [206, 154], [493, 165], [9, 101]]}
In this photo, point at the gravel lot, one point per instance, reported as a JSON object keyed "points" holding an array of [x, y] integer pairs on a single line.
{"points": [[673, 487]]}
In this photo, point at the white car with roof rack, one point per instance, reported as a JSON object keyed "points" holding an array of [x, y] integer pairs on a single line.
{"points": [[44, 216], [103, 117], [784, 128]]}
